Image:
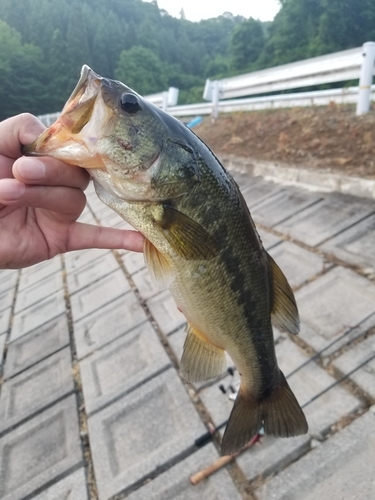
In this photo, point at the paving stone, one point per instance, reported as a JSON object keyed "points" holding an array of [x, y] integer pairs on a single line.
{"points": [[4, 320], [40, 450], [35, 388], [122, 366], [143, 430], [8, 279], [337, 303], [282, 205], [38, 314], [174, 484], [272, 454], [355, 245], [354, 357], [325, 219], [6, 299], [76, 261], [164, 310], [147, 287], [92, 272], [133, 261], [2, 345], [269, 240], [37, 292], [38, 272], [259, 192], [37, 345], [99, 294], [310, 381], [107, 324], [342, 467], [298, 265], [72, 487]]}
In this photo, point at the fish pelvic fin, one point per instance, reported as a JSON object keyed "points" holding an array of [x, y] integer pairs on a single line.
{"points": [[201, 360], [160, 269], [284, 312], [280, 415]]}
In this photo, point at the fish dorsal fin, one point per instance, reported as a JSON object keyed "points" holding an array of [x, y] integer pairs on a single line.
{"points": [[201, 360], [284, 312], [187, 238], [160, 269]]}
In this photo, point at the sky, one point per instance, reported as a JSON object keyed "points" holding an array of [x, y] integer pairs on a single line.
{"points": [[195, 10]]}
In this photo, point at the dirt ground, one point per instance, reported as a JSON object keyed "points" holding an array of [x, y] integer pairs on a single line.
{"points": [[330, 138]]}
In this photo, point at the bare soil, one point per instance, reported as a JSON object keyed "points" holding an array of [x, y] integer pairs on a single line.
{"points": [[330, 138]]}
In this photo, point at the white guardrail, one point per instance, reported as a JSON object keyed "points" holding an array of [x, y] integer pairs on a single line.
{"points": [[227, 95], [163, 100]]}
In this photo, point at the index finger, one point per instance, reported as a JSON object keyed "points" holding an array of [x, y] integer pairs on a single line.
{"points": [[17, 131]]}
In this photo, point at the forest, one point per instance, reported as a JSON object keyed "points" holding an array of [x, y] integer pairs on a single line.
{"points": [[44, 43]]}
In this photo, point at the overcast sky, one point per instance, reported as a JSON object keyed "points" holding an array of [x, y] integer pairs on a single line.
{"points": [[195, 10]]}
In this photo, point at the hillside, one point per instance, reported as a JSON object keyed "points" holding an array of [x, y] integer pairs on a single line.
{"points": [[329, 138]]}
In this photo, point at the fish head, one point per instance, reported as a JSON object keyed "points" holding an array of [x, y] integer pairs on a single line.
{"points": [[131, 147]]}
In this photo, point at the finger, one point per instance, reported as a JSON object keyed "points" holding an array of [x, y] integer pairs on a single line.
{"points": [[83, 236], [6, 165], [49, 172], [68, 202], [16, 131]]}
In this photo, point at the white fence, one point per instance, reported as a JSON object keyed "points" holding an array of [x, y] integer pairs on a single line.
{"points": [[162, 100], [342, 66]]}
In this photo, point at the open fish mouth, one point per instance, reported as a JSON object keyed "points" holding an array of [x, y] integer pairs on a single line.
{"points": [[66, 139]]}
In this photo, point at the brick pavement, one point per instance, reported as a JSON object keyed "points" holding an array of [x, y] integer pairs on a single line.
{"points": [[92, 405]]}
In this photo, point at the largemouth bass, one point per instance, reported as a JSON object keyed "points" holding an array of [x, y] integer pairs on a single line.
{"points": [[200, 241]]}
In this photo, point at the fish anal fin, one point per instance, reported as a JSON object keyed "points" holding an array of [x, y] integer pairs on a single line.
{"points": [[158, 265], [284, 312], [201, 360], [280, 414], [187, 237]]}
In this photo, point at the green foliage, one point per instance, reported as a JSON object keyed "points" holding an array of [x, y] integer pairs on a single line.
{"points": [[246, 44], [141, 70], [44, 43]]}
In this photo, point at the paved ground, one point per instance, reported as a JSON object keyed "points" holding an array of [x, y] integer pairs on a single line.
{"points": [[92, 404]]}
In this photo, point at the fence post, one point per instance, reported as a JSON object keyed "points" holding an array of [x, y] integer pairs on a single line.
{"points": [[215, 99], [365, 80]]}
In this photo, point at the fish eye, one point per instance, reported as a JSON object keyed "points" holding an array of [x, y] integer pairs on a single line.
{"points": [[130, 103]]}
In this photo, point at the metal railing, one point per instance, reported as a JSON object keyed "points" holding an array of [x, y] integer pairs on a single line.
{"points": [[162, 100], [353, 64]]}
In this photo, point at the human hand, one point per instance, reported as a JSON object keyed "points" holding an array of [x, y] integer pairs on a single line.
{"points": [[40, 201]]}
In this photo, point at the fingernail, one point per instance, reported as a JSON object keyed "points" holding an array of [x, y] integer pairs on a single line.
{"points": [[11, 190], [31, 169]]}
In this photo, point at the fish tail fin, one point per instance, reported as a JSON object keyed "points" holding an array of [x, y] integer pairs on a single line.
{"points": [[280, 415]]}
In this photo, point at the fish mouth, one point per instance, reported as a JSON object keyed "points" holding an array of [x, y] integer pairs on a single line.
{"points": [[63, 139]]}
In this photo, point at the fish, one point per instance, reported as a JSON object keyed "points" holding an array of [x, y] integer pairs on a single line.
{"points": [[200, 242]]}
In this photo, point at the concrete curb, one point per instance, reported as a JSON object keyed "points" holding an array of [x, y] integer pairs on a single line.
{"points": [[313, 180]]}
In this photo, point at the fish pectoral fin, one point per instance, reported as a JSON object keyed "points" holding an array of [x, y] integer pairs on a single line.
{"points": [[284, 312], [201, 360], [187, 238], [279, 413], [160, 269]]}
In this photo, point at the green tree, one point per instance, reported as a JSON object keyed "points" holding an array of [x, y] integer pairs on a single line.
{"points": [[246, 44], [22, 74], [140, 69]]}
